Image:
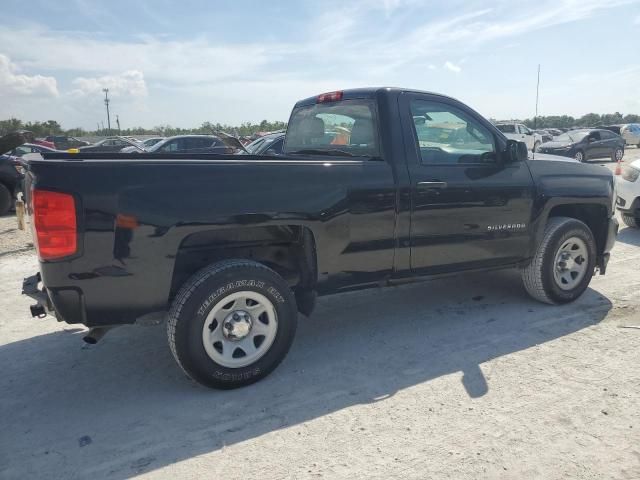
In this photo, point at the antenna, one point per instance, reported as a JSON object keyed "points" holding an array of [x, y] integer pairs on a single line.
{"points": [[535, 119]]}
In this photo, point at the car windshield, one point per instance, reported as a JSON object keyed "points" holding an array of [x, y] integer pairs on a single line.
{"points": [[571, 136], [158, 145], [344, 128]]}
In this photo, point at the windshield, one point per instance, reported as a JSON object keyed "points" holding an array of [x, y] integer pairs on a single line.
{"points": [[151, 141], [255, 145], [572, 137], [338, 128], [158, 145]]}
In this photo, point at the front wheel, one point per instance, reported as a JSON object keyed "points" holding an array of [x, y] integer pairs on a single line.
{"points": [[579, 156], [232, 324], [617, 155], [563, 265]]}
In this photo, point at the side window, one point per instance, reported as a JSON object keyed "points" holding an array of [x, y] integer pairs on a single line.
{"points": [[606, 135], [594, 136], [172, 146], [524, 129], [447, 135]]}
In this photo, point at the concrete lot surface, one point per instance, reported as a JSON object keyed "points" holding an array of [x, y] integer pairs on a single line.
{"points": [[463, 378]]}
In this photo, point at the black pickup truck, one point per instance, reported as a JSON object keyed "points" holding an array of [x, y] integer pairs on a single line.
{"points": [[375, 187]]}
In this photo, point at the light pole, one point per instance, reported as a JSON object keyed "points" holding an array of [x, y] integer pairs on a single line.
{"points": [[118, 123], [106, 102]]}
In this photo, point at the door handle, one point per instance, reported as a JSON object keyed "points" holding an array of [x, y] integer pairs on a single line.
{"points": [[429, 185]]}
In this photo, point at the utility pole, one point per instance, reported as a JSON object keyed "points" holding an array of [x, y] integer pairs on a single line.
{"points": [[102, 121], [118, 123], [106, 102], [98, 129], [535, 119]]}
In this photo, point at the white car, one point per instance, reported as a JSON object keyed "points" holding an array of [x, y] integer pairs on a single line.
{"points": [[520, 132], [631, 134], [628, 190]]}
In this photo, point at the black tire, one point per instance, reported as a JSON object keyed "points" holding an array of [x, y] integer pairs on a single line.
{"points": [[630, 220], [6, 200], [614, 155], [538, 276], [198, 297], [580, 156]]}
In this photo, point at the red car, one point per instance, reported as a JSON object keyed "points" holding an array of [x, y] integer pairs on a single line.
{"points": [[44, 143]]}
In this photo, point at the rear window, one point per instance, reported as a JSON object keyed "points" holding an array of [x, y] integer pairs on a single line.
{"points": [[347, 127]]}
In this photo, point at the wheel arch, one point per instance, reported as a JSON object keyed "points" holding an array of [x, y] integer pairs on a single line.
{"points": [[594, 214], [289, 250]]}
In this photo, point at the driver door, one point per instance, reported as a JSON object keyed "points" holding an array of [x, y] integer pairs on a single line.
{"points": [[469, 209]]}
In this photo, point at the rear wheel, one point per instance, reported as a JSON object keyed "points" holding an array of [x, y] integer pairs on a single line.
{"points": [[631, 220], [232, 323], [579, 156], [564, 263], [617, 154], [6, 200]]}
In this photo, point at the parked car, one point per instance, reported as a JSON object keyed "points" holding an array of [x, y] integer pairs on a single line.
{"points": [[191, 144], [612, 128], [10, 180], [521, 133], [63, 142], [545, 135], [555, 131], [631, 134], [271, 144], [628, 194], [25, 148], [142, 146], [44, 143], [230, 249], [110, 144], [584, 145]]}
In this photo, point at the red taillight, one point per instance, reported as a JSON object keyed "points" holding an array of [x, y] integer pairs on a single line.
{"points": [[329, 97], [54, 220]]}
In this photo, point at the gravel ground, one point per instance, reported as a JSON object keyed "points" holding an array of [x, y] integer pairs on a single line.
{"points": [[463, 378]]}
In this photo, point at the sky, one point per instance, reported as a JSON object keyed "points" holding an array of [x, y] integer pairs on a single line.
{"points": [[184, 63]]}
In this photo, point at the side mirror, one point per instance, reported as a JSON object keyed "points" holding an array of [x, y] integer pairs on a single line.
{"points": [[516, 151]]}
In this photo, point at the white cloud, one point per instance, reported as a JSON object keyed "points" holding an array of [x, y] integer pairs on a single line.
{"points": [[452, 67], [127, 84], [14, 83], [637, 20]]}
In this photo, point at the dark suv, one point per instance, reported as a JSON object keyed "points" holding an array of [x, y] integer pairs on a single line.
{"points": [[191, 144], [585, 144]]}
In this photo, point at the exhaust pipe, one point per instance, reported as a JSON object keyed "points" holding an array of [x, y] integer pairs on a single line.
{"points": [[95, 334]]}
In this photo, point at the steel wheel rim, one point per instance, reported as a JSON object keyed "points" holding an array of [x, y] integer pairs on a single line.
{"points": [[618, 155], [571, 263], [579, 156], [240, 329]]}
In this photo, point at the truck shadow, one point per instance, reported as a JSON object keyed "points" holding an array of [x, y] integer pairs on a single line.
{"points": [[630, 236], [122, 407]]}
